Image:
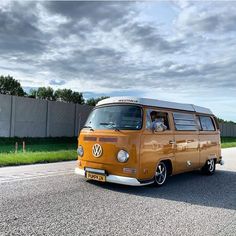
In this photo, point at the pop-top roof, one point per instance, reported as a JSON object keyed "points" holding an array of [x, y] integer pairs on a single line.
{"points": [[155, 103]]}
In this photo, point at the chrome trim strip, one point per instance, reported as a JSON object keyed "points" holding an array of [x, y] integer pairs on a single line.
{"points": [[95, 170], [125, 180], [115, 178]]}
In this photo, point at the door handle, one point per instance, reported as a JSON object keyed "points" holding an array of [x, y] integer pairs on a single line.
{"points": [[172, 142]]}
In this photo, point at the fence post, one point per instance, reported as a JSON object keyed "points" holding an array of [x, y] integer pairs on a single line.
{"points": [[16, 147], [23, 145]]}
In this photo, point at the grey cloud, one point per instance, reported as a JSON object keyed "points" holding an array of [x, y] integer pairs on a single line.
{"points": [[93, 60], [209, 23], [18, 30], [101, 65], [198, 18], [103, 14], [150, 39], [78, 10]]}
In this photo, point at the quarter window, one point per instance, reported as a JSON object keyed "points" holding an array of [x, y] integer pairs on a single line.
{"points": [[185, 121], [206, 123]]}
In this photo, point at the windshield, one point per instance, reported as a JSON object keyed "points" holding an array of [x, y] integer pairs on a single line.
{"points": [[124, 117]]}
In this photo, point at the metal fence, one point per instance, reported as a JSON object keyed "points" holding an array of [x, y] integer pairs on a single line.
{"points": [[27, 117], [228, 129]]}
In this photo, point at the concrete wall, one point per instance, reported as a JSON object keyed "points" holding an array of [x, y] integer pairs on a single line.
{"points": [[5, 115], [61, 119], [27, 117], [228, 130]]}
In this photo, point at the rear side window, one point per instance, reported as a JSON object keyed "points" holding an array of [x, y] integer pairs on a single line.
{"points": [[185, 122], [206, 123]]}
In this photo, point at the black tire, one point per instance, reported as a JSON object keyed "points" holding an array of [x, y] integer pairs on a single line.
{"points": [[210, 167], [160, 174]]}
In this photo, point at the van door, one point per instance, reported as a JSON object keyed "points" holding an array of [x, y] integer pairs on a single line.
{"points": [[155, 146], [187, 142]]}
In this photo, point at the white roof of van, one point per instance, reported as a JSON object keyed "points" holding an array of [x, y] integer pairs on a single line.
{"points": [[155, 103]]}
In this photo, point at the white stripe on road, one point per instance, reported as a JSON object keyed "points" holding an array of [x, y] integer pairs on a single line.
{"points": [[23, 176]]}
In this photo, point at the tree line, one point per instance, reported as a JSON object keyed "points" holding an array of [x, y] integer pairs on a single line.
{"points": [[10, 86]]}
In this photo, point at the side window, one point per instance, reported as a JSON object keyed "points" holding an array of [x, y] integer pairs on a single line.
{"points": [[206, 123], [157, 118], [184, 121]]}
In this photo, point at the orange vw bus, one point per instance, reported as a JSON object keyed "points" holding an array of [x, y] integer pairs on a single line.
{"points": [[140, 141]]}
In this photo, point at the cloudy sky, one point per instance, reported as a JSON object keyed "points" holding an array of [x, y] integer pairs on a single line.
{"points": [[183, 51]]}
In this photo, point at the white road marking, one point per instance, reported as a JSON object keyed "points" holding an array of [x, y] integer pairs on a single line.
{"points": [[20, 178]]}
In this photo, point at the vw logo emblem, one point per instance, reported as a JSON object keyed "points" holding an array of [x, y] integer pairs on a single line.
{"points": [[97, 150]]}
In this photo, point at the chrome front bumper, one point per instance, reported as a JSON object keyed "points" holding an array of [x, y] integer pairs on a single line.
{"points": [[115, 178]]}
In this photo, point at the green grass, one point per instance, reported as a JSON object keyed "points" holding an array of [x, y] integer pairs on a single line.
{"points": [[227, 142], [38, 150], [12, 159], [7, 145]]}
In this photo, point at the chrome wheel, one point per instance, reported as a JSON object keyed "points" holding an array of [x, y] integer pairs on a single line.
{"points": [[160, 174], [211, 165]]}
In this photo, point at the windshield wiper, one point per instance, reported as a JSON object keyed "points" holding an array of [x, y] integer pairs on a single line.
{"points": [[111, 124], [90, 127]]}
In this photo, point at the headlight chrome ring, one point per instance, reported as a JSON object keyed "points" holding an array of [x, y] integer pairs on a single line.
{"points": [[122, 156]]}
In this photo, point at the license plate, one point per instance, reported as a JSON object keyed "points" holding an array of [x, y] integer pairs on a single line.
{"points": [[97, 177]]}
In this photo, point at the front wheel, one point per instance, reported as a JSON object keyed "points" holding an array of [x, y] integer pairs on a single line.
{"points": [[160, 174], [209, 168]]}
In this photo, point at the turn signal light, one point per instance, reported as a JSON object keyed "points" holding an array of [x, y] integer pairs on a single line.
{"points": [[129, 170]]}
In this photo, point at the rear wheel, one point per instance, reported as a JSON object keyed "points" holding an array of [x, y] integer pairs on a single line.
{"points": [[209, 168], [160, 174]]}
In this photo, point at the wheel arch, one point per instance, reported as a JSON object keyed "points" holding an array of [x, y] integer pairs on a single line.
{"points": [[168, 164]]}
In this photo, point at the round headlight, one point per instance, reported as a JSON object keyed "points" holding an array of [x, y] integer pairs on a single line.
{"points": [[80, 151], [122, 156]]}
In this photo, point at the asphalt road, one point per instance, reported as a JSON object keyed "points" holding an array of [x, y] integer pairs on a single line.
{"points": [[50, 199]]}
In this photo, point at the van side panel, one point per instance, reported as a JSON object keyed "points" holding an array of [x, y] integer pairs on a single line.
{"points": [[186, 151], [209, 143], [154, 147]]}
